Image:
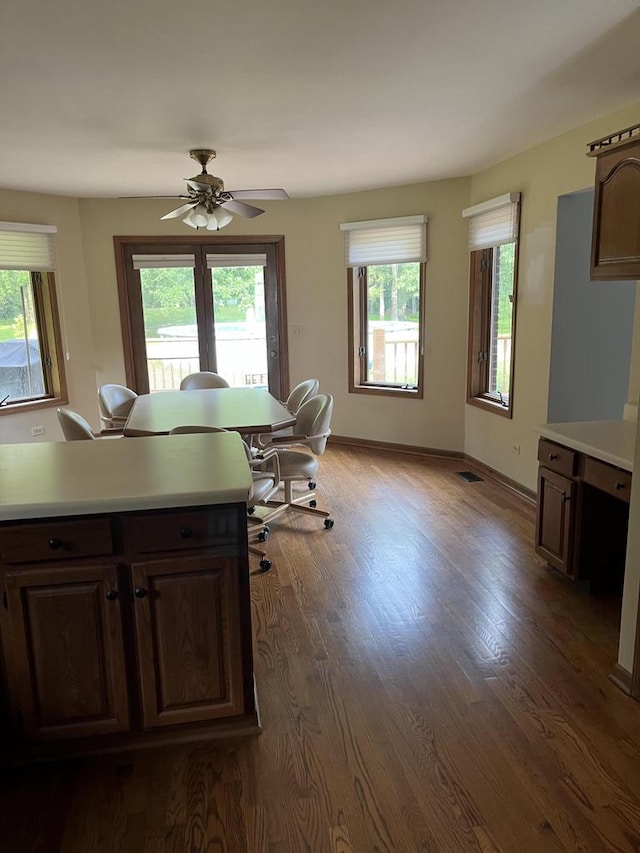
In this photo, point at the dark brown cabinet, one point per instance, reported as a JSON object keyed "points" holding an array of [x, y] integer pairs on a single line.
{"points": [[555, 520], [186, 621], [615, 247], [123, 628], [582, 515], [66, 659]]}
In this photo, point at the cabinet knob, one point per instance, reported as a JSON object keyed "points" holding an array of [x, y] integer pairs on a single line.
{"points": [[111, 594], [565, 497], [186, 532], [55, 544], [140, 592], [620, 486], [552, 456]]}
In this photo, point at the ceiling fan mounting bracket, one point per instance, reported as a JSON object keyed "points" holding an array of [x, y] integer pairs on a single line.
{"points": [[202, 155]]}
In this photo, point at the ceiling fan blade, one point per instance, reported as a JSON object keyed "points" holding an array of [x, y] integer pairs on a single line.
{"points": [[197, 186], [174, 214], [241, 208], [260, 194]]}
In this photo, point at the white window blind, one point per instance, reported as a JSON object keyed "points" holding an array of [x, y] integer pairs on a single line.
{"points": [[27, 247], [386, 241], [493, 222], [153, 262], [253, 260]]}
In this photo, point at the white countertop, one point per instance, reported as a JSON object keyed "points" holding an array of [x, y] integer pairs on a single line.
{"points": [[121, 474], [610, 441]]}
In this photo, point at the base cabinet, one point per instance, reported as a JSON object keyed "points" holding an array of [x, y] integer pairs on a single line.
{"points": [[64, 651], [555, 520], [141, 642], [187, 631], [582, 516]]}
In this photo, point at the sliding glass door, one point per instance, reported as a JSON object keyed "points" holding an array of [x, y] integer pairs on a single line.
{"points": [[210, 305]]}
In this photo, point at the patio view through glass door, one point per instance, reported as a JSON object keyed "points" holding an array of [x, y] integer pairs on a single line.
{"points": [[167, 289], [240, 331], [213, 307]]}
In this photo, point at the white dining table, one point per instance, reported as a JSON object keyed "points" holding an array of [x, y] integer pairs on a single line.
{"points": [[243, 410]]}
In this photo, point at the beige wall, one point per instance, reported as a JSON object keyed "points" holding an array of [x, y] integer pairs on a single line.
{"points": [[317, 300]]}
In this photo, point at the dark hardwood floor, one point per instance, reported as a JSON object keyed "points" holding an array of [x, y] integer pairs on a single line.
{"points": [[425, 684]]}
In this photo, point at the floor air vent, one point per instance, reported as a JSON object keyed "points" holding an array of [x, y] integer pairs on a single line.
{"points": [[470, 477]]}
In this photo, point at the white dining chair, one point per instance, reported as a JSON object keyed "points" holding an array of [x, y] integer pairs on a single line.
{"points": [[203, 379]]}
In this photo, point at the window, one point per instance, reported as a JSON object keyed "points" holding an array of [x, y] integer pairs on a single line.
{"points": [[31, 373], [386, 261], [493, 244]]}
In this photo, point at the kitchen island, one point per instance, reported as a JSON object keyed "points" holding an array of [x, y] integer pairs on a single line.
{"points": [[125, 617]]}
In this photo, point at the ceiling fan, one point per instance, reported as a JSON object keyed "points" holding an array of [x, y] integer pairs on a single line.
{"points": [[208, 204]]}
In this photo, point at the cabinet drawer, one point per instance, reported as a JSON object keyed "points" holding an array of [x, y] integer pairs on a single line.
{"points": [[175, 530], [608, 479], [557, 458], [55, 540]]}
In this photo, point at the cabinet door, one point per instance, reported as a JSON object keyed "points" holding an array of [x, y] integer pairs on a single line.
{"points": [[615, 250], [554, 520], [188, 636], [65, 658]]}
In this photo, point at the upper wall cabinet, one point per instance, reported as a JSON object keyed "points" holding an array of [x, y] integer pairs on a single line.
{"points": [[615, 245]]}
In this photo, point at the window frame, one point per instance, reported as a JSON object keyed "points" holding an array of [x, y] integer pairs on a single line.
{"points": [[481, 289], [492, 223], [357, 335], [47, 319]]}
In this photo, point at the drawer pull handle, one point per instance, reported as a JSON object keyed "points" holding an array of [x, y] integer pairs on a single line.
{"points": [[552, 456], [140, 592], [55, 544], [186, 533], [112, 595], [565, 498], [620, 486]]}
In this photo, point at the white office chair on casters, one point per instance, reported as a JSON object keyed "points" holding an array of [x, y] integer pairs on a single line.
{"points": [[204, 379], [115, 404], [265, 474], [299, 395], [311, 430], [74, 426]]}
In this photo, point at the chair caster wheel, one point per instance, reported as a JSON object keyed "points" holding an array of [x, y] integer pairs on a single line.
{"points": [[311, 485], [328, 523], [313, 504], [250, 510], [263, 536], [265, 565]]}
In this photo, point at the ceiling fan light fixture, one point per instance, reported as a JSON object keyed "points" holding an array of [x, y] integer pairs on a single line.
{"points": [[198, 217], [212, 220], [223, 218]]}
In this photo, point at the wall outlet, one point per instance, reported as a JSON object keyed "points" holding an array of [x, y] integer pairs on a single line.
{"points": [[38, 430], [516, 449]]}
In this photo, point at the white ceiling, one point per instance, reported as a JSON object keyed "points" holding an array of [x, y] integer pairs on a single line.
{"points": [[106, 98]]}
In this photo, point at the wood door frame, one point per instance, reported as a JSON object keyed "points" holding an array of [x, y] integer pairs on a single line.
{"points": [[129, 299]]}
